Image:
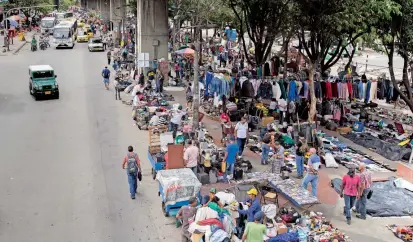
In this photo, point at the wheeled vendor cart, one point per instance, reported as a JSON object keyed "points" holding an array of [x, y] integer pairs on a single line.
{"points": [[176, 186]]}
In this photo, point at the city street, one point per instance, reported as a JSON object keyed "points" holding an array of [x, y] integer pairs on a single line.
{"points": [[60, 175]]}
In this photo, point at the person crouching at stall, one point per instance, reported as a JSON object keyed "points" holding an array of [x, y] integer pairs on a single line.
{"points": [[253, 204], [212, 198], [184, 214], [255, 231], [277, 159]]}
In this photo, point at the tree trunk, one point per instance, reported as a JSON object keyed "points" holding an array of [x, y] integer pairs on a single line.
{"points": [[195, 105], [313, 110], [287, 40], [350, 58]]}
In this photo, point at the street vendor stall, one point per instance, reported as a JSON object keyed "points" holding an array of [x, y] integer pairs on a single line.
{"points": [[176, 186]]}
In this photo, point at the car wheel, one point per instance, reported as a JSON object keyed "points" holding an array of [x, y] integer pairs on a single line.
{"points": [[30, 89], [36, 97], [57, 95]]}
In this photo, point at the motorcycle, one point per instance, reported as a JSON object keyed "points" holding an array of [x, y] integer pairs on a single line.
{"points": [[34, 47], [43, 45]]}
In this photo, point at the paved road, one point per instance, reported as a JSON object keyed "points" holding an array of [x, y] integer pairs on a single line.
{"points": [[60, 160]]}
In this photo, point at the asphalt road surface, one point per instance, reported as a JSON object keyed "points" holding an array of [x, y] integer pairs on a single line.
{"points": [[60, 160]]}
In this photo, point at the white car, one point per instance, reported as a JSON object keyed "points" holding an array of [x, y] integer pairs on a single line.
{"points": [[95, 44]]}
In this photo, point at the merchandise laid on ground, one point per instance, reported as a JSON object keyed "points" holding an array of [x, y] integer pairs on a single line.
{"points": [[404, 233]]}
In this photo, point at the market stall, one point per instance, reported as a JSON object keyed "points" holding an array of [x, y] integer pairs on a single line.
{"points": [[176, 186]]}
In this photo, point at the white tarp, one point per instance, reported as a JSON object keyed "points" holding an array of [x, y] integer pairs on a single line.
{"points": [[178, 185]]}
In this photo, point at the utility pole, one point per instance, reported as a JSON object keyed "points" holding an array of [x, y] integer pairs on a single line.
{"points": [[195, 107]]}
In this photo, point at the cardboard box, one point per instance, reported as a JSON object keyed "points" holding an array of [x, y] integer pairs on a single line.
{"points": [[344, 130], [281, 228]]}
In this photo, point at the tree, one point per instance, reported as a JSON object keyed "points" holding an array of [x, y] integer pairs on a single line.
{"points": [[396, 35], [262, 20], [29, 3], [334, 23]]}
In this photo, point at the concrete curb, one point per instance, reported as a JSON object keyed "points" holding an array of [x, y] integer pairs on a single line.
{"points": [[20, 47]]}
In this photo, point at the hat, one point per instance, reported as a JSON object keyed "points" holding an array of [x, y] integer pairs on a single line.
{"points": [[252, 191], [213, 190], [258, 216]]}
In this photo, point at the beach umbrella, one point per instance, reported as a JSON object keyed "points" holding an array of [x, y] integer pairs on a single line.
{"points": [[186, 51]]}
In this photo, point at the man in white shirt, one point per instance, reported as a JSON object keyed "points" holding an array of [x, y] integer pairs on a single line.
{"points": [[282, 106], [176, 120], [241, 134]]}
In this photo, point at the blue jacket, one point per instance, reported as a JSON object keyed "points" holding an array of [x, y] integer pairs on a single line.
{"points": [[252, 210]]}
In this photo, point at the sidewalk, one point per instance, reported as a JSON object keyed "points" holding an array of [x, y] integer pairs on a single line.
{"points": [[16, 45]]}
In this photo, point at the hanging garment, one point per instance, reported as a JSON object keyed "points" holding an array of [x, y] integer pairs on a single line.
{"points": [[265, 90], [339, 89], [276, 90], [317, 89], [334, 89], [361, 90], [350, 90], [282, 87], [256, 85], [242, 80], [305, 90], [299, 86], [208, 80], [292, 91], [355, 90], [373, 91], [368, 89], [329, 90], [247, 89], [259, 72], [343, 91], [267, 71]]}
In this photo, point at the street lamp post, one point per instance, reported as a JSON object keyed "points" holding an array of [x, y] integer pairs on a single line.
{"points": [[5, 14]]}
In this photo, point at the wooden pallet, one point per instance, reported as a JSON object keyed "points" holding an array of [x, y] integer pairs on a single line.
{"points": [[155, 138]]}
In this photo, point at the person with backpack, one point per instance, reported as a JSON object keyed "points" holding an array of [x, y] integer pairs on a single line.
{"points": [[300, 150], [106, 76], [132, 165]]}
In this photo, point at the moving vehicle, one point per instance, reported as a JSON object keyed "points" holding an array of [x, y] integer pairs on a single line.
{"points": [[95, 44], [47, 24], [82, 35], [63, 35], [43, 82], [88, 30]]}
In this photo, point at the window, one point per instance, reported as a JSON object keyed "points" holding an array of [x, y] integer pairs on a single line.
{"points": [[43, 74], [61, 33], [47, 23], [96, 41]]}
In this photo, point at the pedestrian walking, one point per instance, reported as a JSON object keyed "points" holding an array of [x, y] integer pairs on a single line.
{"points": [[365, 186], [312, 171], [117, 91], [241, 134], [105, 43], [106, 76], [230, 157], [349, 190], [132, 165], [109, 56], [300, 150], [266, 145], [189, 96]]}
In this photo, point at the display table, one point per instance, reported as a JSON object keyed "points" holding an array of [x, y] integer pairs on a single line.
{"points": [[297, 195]]}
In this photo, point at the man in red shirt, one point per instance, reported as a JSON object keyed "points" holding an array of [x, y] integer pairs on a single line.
{"points": [[350, 191], [132, 164]]}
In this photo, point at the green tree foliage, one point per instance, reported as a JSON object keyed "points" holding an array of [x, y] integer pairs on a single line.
{"points": [[29, 3], [262, 20], [396, 35]]}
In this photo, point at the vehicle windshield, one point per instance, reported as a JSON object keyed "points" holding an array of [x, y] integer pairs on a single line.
{"points": [[60, 15], [80, 32], [47, 23], [62, 33], [96, 41], [68, 15], [43, 74]]}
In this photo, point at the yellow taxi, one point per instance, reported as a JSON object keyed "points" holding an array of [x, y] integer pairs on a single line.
{"points": [[82, 35], [88, 30]]}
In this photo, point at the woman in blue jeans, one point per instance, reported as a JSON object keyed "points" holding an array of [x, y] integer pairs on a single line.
{"points": [[300, 150]]}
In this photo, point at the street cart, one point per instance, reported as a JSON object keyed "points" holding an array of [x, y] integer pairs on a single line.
{"points": [[176, 186], [157, 162]]}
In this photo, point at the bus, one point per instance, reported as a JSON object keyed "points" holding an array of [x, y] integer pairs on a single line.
{"points": [[64, 35], [47, 24]]}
